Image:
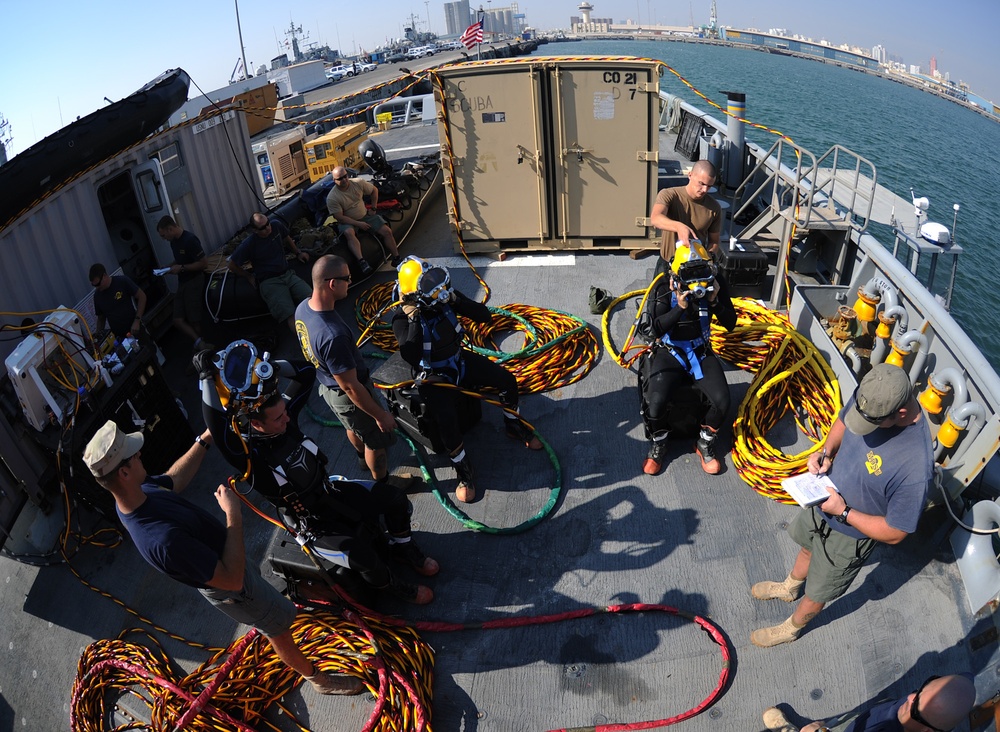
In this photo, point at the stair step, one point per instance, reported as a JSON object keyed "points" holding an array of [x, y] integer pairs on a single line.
{"points": [[821, 218]]}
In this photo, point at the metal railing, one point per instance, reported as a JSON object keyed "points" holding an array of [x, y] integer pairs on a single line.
{"points": [[407, 110], [781, 184]]}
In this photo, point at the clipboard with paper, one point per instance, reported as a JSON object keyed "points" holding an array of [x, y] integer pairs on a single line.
{"points": [[808, 489]]}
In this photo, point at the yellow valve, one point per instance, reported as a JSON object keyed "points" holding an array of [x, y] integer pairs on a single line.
{"points": [[930, 398], [897, 356], [947, 435], [864, 306], [885, 326]]}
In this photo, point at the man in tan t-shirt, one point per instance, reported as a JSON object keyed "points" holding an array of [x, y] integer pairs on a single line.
{"points": [[346, 204], [688, 212]]}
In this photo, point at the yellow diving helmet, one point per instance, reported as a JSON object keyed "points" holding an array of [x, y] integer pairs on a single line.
{"points": [[423, 281], [692, 265]]}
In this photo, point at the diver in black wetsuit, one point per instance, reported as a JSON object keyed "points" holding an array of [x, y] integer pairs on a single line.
{"points": [[430, 340], [340, 517], [680, 309]]}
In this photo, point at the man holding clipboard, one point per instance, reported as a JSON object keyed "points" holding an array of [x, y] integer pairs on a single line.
{"points": [[884, 465]]}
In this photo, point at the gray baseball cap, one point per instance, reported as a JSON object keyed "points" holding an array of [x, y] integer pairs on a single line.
{"points": [[882, 392]]}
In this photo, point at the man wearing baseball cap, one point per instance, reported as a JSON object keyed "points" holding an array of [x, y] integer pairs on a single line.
{"points": [[192, 546], [884, 465]]}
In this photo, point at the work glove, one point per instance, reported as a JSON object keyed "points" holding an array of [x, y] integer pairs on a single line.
{"points": [[204, 364]]}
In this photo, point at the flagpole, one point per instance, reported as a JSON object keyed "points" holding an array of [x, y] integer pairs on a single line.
{"points": [[479, 44]]}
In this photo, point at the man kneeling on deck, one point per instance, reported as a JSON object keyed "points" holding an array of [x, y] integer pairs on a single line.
{"points": [[941, 703], [885, 465], [680, 311]]}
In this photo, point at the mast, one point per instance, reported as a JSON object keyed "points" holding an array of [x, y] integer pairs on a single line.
{"points": [[243, 50]]}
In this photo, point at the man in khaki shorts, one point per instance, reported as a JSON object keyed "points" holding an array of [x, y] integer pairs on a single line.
{"points": [[885, 464], [344, 380], [346, 204]]}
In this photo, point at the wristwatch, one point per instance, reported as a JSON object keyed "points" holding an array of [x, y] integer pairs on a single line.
{"points": [[842, 518], [199, 440]]}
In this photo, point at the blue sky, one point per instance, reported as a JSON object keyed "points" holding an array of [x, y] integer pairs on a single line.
{"points": [[60, 59]]}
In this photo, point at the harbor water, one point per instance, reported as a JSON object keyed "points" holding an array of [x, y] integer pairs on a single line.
{"points": [[916, 140]]}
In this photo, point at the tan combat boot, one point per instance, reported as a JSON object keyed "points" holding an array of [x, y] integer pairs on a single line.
{"points": [[784, 632], [788, 589]]}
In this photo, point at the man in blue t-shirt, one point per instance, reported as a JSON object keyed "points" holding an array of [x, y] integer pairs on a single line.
{"points": [[885, 464], [277, 284], [113, 302], [189, 265], [190, 545], [344, 383], [941, 703]]}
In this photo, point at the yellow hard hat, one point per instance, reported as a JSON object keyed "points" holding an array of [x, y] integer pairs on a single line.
{"points": [[409, 274], [428, 282], [693, 265]]}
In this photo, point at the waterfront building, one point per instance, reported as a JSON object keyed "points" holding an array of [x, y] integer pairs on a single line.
{"points": [[821, 50], [502, 21], [457, 17]]}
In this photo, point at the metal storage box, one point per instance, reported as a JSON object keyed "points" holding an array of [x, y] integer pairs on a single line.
{"points": [[744, 266], [551, 153]]}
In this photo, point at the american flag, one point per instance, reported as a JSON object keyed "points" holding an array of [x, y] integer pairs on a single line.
{"points": [[473, 35]]}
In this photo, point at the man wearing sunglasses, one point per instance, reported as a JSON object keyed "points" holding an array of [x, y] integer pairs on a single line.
{"points": [[346, 204], [884, 466], [940, 704], [328, 343], [279, 287]]}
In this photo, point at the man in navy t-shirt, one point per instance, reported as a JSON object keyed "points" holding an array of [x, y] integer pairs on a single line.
{"points": [[884, 467], [941, 703], [344, 383], [278, 286], [113, 302], [190, 545], [189, 265]]}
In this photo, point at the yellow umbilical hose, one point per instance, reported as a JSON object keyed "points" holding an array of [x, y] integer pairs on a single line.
{"points": [[789, 375], [559, 348], [395, 664]]}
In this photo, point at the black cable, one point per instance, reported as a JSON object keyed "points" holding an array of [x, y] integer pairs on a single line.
{"points": [[232, 149]]}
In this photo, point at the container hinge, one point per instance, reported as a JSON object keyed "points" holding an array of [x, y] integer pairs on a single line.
{"points": [[642, 222], [648, 156], [650, 87]]}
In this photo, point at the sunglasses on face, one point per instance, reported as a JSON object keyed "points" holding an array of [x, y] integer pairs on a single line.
{"points": [[915, 706]]}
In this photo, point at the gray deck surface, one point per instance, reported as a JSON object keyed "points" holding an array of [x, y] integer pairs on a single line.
{"points": [[682, 538]]}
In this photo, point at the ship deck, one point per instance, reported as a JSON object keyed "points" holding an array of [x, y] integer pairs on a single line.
{"points": [[681, 538]]}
